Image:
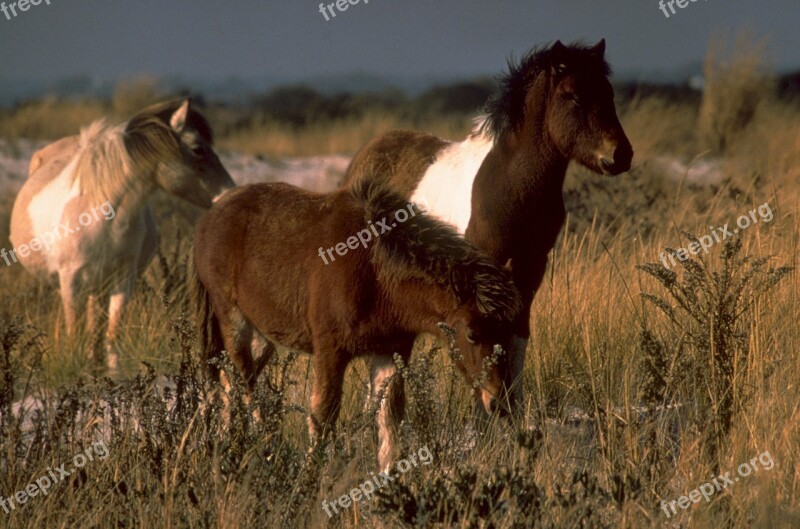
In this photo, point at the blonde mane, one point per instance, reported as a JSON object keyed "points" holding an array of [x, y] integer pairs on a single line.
{"points": [[113, 158]]}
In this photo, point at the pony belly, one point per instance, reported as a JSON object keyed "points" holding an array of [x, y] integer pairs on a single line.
{"points": [[276, 312], [294, 341], [445, 190]]}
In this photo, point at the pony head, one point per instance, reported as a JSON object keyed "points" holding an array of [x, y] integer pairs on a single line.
{"points": [[563, 92], [475, 346], [181, 140]]}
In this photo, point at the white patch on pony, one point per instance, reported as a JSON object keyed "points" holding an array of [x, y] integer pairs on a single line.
{"points": [[445, 190], [47, 208]]}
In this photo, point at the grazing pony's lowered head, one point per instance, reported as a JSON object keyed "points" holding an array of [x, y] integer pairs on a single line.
{"points": [[180, 139], [577, 114], [481, 300]]}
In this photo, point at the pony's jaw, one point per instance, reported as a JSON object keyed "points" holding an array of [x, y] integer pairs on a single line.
{"points": [[195, 194], [192, 189], [611, 158], [217, 183], [222, 190]]}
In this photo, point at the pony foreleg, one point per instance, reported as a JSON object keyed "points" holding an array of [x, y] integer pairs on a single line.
{"points": [[329, 368], [516, 366], [117, 300], [388, 394], [96, 318], [116, 307], [528, 272]]}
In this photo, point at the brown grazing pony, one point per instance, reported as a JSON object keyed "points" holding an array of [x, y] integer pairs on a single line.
{"points": [[258, 272], [501, 187]]}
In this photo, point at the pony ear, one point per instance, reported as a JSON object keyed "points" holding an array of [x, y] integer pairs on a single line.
{"points": [[559, 52], [178, 119], [599, 48], [559, 47]]}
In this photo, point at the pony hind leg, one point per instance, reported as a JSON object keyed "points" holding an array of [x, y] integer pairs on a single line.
{"points": [[263, 352], [75, 302], [237, 334]]}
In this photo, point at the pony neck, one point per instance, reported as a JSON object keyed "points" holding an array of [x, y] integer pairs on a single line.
{"points": [[523, 167], [140, 184], [107, 173], [519, 188], [130, 200]]}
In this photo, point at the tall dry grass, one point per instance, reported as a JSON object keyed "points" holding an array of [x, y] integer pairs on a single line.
{"points": [[52, 118], [736, 84], [333, 137]]}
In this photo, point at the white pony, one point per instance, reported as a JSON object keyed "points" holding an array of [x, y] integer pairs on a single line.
{"points": [[83, 214]]}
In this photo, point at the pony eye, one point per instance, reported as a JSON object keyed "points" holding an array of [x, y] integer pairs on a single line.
{"points": [[472, 337], [575, 98], [199, 152]]}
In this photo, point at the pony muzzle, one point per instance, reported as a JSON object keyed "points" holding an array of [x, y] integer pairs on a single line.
{"points": [[615, 157], [492, 404]]}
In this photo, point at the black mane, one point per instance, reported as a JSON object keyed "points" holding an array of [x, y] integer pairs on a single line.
{"points": [[429, 249], [505, 109]]}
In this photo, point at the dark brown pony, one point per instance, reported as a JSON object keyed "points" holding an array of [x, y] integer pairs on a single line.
{"points": [[501, 187], [259, 270]]}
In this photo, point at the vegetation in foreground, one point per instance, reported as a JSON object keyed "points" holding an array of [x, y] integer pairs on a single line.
{"points": [[642, 381]]}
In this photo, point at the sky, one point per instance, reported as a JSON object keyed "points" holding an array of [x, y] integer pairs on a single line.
{"points": [[290, 39]]}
